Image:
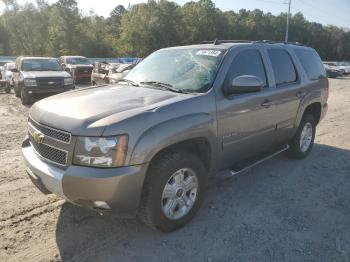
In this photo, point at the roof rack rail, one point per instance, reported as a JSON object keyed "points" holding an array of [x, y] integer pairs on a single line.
{"points": [[217, 42]]}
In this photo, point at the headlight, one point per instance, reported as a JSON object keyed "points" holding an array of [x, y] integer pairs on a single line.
{"points": [[101, 151], [30, 82], [68, 81]]}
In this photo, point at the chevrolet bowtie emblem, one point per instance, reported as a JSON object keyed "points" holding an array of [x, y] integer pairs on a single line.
{"points": [[38, 137]]}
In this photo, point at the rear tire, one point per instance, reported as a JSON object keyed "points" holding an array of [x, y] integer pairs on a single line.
{"points": [[303, 141], [182, 204]]}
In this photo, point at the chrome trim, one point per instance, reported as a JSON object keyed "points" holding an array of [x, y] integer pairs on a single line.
{"points": [[60, 149], [48, 160], [54, 129]]}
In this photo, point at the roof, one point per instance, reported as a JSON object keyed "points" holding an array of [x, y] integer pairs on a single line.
{"points": [[227, 44]]}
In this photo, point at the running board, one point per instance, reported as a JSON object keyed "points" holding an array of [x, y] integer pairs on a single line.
{"points": [[240, 168]]}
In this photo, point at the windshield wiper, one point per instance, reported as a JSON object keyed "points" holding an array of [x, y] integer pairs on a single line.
{"points": [[164, 86], [129, 82]]}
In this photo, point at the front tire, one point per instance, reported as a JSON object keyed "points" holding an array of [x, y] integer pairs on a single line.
{"points": [[24, 97], [173, 191], [17, 91], [8, 88], [303, 140]]}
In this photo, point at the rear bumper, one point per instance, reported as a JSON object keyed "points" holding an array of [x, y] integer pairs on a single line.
{"points": [[120, 188]]}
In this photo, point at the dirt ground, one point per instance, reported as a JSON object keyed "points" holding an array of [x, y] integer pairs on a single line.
{"points": [[281, 210]]}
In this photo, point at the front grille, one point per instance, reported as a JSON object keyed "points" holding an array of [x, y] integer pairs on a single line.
{"points": [[51, 132], [52, 154], [50, 81]]}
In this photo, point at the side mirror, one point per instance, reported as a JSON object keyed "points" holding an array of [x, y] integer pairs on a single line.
{"points": [[244, 84], [14, 70]]}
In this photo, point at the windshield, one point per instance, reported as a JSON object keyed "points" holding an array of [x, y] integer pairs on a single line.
{"points": [[41, 65], [190, 70], [78, 61]]}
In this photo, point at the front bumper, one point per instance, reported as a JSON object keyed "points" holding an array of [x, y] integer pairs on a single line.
{"points": [[120, 187], [45, 90]]}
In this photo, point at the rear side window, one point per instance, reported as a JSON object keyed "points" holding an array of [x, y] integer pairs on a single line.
{"points": [[311, 63], [282, 66], [248, 63]]}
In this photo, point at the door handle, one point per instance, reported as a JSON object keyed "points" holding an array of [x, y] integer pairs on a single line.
{"points": [[266, 103], [300, 94]]}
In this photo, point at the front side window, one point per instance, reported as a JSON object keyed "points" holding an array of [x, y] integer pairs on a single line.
{"points": [[41, 65], [192, 70], [282, 66], [248, 62]]}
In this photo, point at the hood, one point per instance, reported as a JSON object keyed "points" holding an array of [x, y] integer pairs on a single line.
{"points": [[37, 74], [87, 111]]}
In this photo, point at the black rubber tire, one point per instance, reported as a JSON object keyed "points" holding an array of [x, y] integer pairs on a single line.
{"points": [[25, 99], [8, 88], [17, 91], [295, 150], [160, 170]]}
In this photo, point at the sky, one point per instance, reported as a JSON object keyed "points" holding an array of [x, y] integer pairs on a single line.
{"points": [[335, 12]]}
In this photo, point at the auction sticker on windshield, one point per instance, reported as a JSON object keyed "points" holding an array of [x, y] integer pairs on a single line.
{"points": [[209, 52]]}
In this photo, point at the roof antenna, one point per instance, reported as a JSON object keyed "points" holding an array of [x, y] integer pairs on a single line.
{"points": [[216, 41]]}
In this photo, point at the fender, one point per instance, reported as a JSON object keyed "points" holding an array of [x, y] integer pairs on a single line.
{"points": [[314, 96], [172, 131]]}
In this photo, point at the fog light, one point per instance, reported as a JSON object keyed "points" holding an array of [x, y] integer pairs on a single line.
{"points": [[101, 204]]}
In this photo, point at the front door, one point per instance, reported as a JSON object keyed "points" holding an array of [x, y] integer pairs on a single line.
{"points": [[245, 125]]}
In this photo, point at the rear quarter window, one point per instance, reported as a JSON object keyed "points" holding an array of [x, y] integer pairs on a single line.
{"points": [[311, 63], [282, 66]]}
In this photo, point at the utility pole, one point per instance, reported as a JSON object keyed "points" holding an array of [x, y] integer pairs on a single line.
{"points": [[287, 27]]}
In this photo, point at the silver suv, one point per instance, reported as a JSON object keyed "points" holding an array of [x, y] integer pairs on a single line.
{"points": [[148, 145]]}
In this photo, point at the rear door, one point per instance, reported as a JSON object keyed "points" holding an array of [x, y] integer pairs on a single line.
{"points": [[287, 90]]}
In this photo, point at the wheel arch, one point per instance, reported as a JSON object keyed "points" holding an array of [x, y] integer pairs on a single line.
{"points": [[313, 107]]}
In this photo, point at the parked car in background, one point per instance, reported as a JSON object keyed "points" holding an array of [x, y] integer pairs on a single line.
{"points": [[148, 145], [116, 73], [2, 63], [99, 73], [332, 71], [78, 66], [111, 73], [335, 66], [7, 76], [38, 76], [345, 66]]}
